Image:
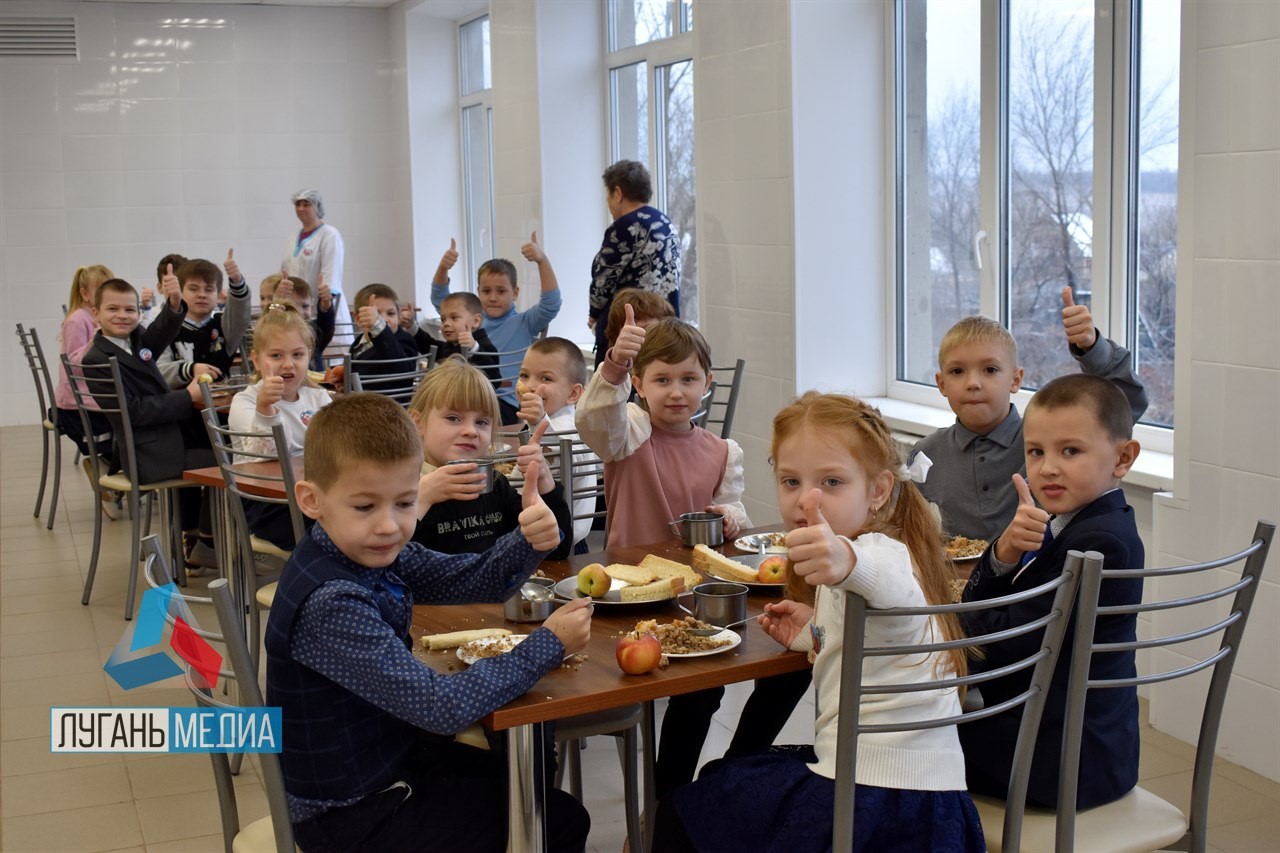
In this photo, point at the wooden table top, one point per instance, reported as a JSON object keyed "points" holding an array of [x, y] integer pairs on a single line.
{"points": [[249, 477], [597, 683]]}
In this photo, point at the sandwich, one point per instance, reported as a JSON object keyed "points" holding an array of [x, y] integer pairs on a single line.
{"points": [[715, 563]]}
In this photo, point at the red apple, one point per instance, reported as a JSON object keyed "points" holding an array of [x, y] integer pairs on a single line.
{"points": [[772, 570], [593, 581], [639, 653]]}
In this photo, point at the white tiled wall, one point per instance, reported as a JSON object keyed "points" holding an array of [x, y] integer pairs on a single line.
{"points": [[172, 135], [1228, 372], [746, 271]]}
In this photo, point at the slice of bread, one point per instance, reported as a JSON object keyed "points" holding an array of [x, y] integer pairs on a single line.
{"points": [[453, 639], [665, 568], [630, 574], [715, 563], [656, 591]]}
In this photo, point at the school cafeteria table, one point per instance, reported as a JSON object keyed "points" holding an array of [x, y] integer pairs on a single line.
{"points": [[597, 684]]}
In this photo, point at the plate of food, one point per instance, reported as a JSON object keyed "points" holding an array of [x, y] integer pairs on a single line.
{"points": [[677, 641], [774, 543], [962, 549], [653, 581], [488, 647], [762, 571]]}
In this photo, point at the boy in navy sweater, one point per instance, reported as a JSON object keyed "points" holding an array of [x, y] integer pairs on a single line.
{"points": [[1078, 437], [369, 759]]}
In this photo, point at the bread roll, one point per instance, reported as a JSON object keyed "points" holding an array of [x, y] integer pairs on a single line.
{"points": [[453, 639]]}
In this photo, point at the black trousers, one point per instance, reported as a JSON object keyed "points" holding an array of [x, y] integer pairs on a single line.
{"points": [[454, 799]]}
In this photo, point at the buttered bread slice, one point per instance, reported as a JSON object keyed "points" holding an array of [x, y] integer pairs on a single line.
{"points": [[715, 563]]}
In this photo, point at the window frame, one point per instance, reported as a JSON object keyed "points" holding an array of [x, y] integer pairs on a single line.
{"points": [[482, 98], [1115, 224]]}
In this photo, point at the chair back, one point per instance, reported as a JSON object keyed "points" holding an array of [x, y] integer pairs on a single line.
{"points": [[507, 364], [1041, 661], [250, 696], [30, 340], [724, 401], [255, 466], [219, 397], [1220, 661], [581, 473], [399, 381], [701, 417], [102, 383]]}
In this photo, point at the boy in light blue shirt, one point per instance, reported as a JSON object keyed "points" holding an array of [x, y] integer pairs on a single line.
{"points": [[510, 331]]}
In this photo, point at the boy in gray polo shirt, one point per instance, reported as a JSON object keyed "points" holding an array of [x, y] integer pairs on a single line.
{"points": [[975, 458]]}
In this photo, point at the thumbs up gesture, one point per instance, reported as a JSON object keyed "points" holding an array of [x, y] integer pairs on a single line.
{"points": [[1077, 322], [630, 339], [170, 288], [1026, 531], [148, 296], [530, 454], [532, 251], [324, 295], [537, 523], [271, 392], [230, 265], [284, 290], [449, 258], [532, 409], [816, 553]]}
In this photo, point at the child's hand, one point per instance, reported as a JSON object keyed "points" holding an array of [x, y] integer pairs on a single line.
{"points": [[324, 296], [284, 290], [408, 318], [148, 296], [529, 458], [366, 317], [630, 339], [1078, 322], [449, 258], [460, 482], [784, 620], [572, 625], [816, 553], [1026, 531], [532, 409], [730, 523], [537, 523], [230, 265], [193, 388], [531, 250], [197, 369], [171, 289], [271, 392], [465, 340]]}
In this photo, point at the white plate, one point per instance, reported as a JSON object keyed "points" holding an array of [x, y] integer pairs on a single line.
{"points": [[468, 659], [567, 589], [752, 560], [726, 633], [752, 543]]}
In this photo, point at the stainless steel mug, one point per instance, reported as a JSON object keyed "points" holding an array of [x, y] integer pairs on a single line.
{"points": [[483, 466], [517, 608], [720, 603], [699, 528]]}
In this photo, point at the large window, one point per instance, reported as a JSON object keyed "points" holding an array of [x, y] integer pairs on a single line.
{"points": [[1037, 151], [651, 98], [475, 88]]}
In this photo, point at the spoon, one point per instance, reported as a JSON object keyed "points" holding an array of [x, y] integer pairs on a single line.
{"points": [[537, 592], [712, 631]]}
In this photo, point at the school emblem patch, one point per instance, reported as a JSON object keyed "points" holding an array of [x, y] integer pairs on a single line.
{"points": [[144, 354], [306, 417]]}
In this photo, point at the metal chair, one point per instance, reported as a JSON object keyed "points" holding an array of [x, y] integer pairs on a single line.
{"points": [[700, 418], [1140, 820], [1042, 661], [30, 340], [506, 363], [102, 383], [722, 407], [626, 726], [232, 454], [581, 473], [274, 832], [399, 382]]}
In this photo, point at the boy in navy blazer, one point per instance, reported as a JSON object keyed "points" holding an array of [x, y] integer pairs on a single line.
{"points": [[1078, 442], [167, 432]]}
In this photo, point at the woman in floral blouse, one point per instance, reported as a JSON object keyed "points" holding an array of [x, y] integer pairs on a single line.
{"points": [[641, 248]]}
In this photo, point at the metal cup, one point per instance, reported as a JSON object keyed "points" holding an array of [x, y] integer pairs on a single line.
{"points": [[719, 603], [517, 608], [483, 466], [699, 528]]}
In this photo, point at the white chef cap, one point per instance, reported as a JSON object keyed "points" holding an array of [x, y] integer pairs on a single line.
{"points": [[312, 196]]}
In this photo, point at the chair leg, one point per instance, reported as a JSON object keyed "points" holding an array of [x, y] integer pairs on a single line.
{"points": [[93, 559], [629, 754], [573, 767], [44, 471], [57, 477], [134, 546]]}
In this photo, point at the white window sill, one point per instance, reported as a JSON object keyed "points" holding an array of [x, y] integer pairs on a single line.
{"points": [[1153, 470]]}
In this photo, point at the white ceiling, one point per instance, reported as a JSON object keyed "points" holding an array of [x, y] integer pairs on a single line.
{"points": [[365, 3]]}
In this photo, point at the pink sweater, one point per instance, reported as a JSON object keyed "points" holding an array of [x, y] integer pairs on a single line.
{"points": [[75, 337]]}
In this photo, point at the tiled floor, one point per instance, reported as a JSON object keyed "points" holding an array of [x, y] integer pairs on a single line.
{"points": [[52, 650]]}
